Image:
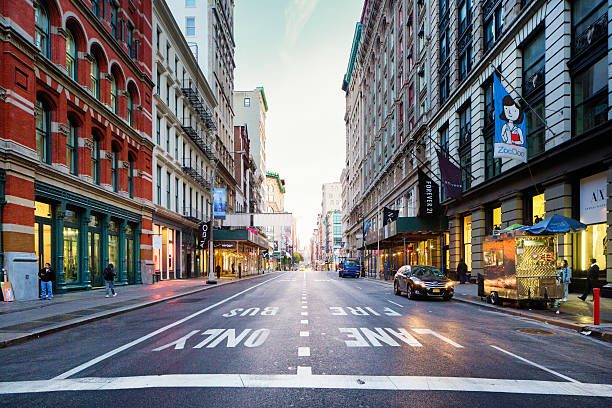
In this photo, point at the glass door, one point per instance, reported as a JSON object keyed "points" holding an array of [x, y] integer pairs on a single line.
{"points": [[95, 268]]}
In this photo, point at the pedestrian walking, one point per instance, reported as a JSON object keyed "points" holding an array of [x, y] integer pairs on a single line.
{"points": [[565, 274], [109, 279], [239, 270], [47, 276], [218, 270], [462, 271], [592, 278]]}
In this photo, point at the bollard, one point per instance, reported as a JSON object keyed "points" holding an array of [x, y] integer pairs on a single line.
{"points": [[596, 306]]}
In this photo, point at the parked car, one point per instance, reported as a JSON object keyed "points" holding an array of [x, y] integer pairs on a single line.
{"points": [[421, 280]]}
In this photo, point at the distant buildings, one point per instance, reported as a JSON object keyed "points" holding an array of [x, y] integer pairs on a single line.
{"points": [[328, 234], [280, 237]]}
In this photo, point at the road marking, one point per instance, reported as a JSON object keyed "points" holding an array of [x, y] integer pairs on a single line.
{"points": [[304, 307], [394, 303], [303, 380], [139, 340], [304, 334], [304, 371], [536, 365], [303, 301], [304, 313], [433, 333], [303, 351], [304, 321]]}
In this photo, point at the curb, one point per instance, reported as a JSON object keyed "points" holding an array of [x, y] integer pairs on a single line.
{"points": [[103, 315], [555, 322]]}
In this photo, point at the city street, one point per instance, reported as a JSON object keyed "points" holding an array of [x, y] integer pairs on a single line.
{"points": [[308, 339]]}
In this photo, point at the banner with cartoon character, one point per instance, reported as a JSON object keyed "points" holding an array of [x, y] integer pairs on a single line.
{"points": [[510, 131]]}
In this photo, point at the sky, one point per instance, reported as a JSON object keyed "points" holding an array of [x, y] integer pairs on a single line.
{"points": [[298, 50]]}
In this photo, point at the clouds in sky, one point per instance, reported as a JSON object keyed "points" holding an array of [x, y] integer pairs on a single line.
{"points": [[297, 14]]}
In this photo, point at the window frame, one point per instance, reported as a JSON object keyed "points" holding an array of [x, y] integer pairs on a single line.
{"points": [[72, 148], [44, 129], [115, 169], [95, 160], [42, 29], [190, 30]]}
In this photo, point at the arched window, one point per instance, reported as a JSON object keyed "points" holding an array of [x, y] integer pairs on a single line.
{"points": [[95, 160], [72, 148], [43, 132], [115, 169], [72, 59], [94, 78], [43, 28], [130, 108], [113, 97], [131, 176]]}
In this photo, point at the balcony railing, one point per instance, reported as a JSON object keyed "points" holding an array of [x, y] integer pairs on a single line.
{"points": [[590, 36], [190, 90], [193, 214], [200, 141], [196, 174]]}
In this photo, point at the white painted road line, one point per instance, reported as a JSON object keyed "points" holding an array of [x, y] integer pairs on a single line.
{"points": [[303, 351], [304, 313], [303, 301], [536, 365], [139, 340], [394, 303], [304, 321], [303, 380], [304, 307], [433, 333], [304, 334]]}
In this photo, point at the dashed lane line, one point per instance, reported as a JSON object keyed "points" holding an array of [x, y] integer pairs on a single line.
{"points": [[305, 380], [536, 365], [394, 303], [303, 351]]}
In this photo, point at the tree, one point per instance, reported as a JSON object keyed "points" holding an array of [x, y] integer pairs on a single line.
{"points": [[297, 257]]}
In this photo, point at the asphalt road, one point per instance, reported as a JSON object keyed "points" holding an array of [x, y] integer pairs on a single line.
{"points": [[308, 339]]}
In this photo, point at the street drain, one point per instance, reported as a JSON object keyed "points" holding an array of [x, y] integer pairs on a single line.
{"points": [[535, 331]]}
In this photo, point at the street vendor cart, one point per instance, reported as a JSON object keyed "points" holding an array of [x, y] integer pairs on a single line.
{"points": [[520, 266]]}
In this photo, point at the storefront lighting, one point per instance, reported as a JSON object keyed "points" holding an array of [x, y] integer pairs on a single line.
{"points": [[583, 244]]}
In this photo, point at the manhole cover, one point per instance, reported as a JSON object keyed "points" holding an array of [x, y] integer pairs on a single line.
{"points": [[535, 331]]}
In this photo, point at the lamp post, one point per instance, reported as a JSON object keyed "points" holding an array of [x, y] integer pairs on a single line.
{"points": [[211, 273]]}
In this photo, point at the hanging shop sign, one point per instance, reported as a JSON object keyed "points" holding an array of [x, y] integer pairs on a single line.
{"points": [[429, 203], [510, 130], [219, 203], [204, 235], [593, 193], [225, 245]]}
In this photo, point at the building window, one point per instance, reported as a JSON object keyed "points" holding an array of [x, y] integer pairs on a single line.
{"points": [[157, 39], [168, 138], [590, 97], [72, 148], [444, 140], [158, 130], [465, 146], [71, 57], [113, 20], [94, 79], [168, 53], [533, 92], [492, 165], [168, 92], [247, 102], [168, 201], [43, 132], [189, 26], [95, 160], [43, 29], [493, 220], [130, 109], [467, 240], [176, 194], [130, 40], [190, 3], [114, 101], [176, 145], [95, 7], [159, 190], [131, 176], [493, 16], [464, 38], [184, 198], [115, 169]]}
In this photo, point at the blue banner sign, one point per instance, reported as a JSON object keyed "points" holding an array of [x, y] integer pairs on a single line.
{"points": [[219, 203], [510, 131]]}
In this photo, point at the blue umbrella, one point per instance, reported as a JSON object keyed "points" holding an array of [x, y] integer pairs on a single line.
{"points": [[556, 224]]}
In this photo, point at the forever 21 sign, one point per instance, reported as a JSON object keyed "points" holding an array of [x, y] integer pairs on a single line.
{"points": [[204, 235]]}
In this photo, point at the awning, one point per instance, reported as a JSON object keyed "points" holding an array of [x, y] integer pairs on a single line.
{"points": [[239, 235], [410, 228]]}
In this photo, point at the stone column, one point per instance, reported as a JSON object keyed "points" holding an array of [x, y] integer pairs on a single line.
{"points": [[84, 244], [104, 237], [478, 234], [454, 244], [122, 247], [512, 209], [558, 196]]}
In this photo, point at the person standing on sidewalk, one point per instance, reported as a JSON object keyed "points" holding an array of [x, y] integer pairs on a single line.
{"points": [[109, 279], [47, 276], [462, 271], [592, 278], [565, 275]]}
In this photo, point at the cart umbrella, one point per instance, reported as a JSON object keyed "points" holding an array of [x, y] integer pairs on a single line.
{"points": [[556, 224], [513, 227]]}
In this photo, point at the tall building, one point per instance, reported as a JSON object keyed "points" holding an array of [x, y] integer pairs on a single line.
{"points": [[250, 108], [330, 223], [208, 27], [420, 79], [184, 153], [75, 167], [280, 237], [242, 175]]}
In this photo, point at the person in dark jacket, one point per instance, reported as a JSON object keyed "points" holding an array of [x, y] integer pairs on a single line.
{"points": [[47, 276], [218, 270], [462, 271], [592, 278], [109, 279]]}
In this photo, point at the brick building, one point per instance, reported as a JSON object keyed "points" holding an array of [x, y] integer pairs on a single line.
{"points": [[75, 120]]}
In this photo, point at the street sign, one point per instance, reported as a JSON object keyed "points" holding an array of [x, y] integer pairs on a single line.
{"points": [[219, 203], [204, 235]]}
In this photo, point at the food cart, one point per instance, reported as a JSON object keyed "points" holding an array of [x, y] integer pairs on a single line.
{"points": [[522, 267]]}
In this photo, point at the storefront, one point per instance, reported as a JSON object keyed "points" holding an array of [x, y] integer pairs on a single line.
{"points": [[592, 242], [80, 236], [238, 252]]}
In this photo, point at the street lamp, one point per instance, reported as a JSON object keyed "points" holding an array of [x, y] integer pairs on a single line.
{"points": [[211, 273]]}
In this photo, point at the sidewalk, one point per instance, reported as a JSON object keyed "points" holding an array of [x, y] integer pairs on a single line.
{"points": [[23, 320], [573, 314]]}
